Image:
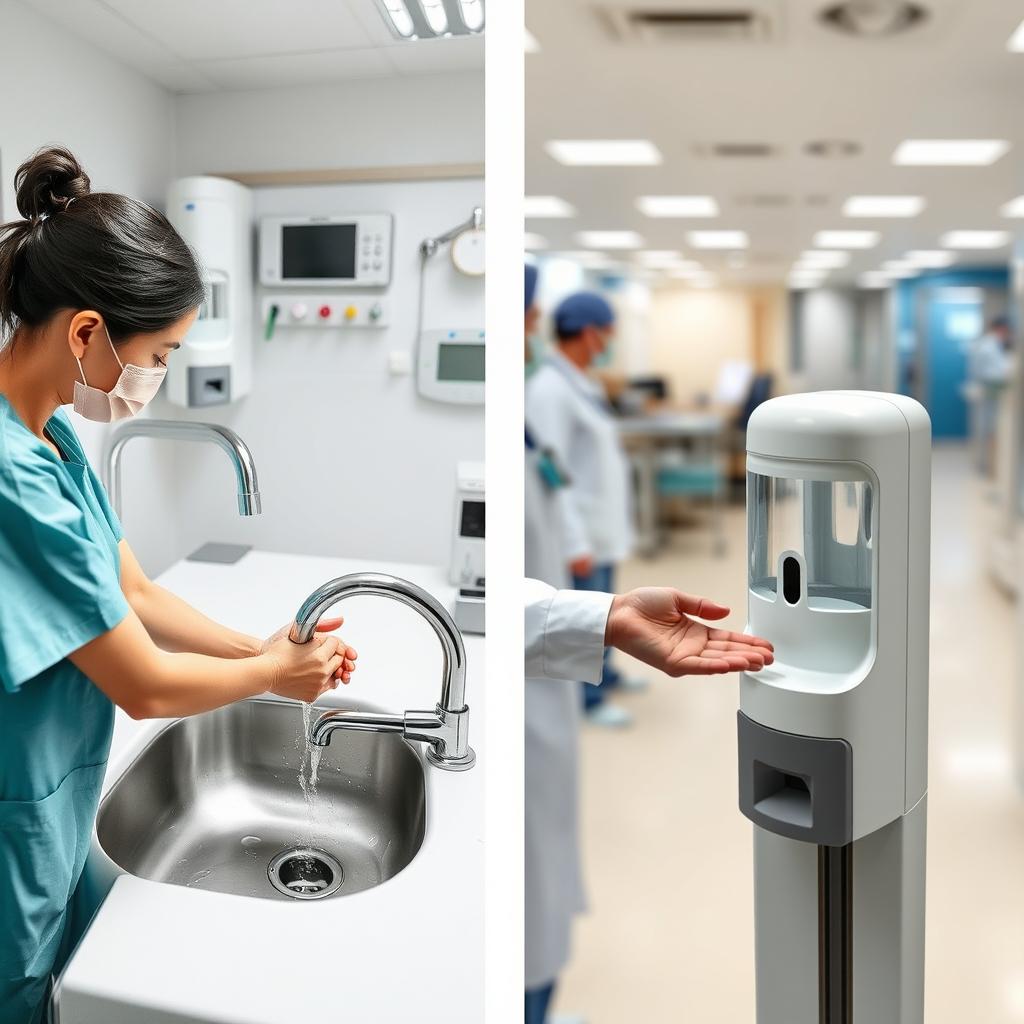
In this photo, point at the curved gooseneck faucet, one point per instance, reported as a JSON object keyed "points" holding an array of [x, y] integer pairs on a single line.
{"points": [[249, 503], [446, 728]]}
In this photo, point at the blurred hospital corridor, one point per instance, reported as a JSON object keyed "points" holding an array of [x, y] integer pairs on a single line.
{"points": [[668, 857]]}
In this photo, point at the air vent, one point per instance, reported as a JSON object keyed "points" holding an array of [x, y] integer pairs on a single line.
{"points": [[735, 150], [874, 19], [832, 149], [690, 23]]}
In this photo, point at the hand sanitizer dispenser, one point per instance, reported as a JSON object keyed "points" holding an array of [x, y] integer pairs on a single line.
{"points": [[833, 734], [214, 366]]}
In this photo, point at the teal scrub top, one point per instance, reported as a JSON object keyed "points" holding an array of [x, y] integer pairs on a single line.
{"points": [[59, 589]]}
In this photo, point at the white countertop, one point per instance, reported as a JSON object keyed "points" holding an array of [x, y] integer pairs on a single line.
{"points": [[410, 949]]}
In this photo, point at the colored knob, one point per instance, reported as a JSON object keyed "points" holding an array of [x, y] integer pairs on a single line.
{"points": [[351, 313], [325, 312], [299, 310]]}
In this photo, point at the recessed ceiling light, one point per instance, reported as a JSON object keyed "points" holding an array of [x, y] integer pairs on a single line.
{"points": [[846, 239], [974, 239], [677, 206], [873, 279], [547, 206], [533, 241], [1014, 208], [931, 259], [896, 266], [718, 239], [603, 152], [585, 258], [821, 258], [832, 149], [883, 206], [1015, 44], [901, 272], [530, 44], [949, 152], [609, 239], [472, 14], [432, 18]]}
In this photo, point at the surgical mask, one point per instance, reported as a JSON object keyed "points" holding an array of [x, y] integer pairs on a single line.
{"points": [[134, 388]]}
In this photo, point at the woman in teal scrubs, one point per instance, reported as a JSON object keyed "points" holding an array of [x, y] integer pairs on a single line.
{"points": [[96, 292]]}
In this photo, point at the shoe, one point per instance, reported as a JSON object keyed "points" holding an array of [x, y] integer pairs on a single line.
{"points": [[610, 716], [632, 684]]}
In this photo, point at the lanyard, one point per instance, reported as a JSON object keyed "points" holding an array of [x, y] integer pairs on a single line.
{"points": [[551, 473]]}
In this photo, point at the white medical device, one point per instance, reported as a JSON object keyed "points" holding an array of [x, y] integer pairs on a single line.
{"points": [[467, 564], [833, 735], [339, 251], [450, 366], [214, 364]]}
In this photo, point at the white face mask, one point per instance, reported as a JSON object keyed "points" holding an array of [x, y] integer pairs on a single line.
{"points": [[133, 389]]}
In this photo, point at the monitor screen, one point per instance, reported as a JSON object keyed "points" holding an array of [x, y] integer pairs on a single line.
{"points": [[318, 251], [472, 524], [460, 362]]}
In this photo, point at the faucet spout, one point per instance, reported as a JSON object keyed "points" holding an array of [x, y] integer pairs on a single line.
{"points": [[249, 502], [445, 729]]}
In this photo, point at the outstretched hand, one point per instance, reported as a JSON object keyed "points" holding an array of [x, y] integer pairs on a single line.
{"points": [[654, 625], [325, 625]]}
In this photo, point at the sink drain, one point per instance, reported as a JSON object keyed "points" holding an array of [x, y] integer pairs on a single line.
{"points": [[305, 874]]}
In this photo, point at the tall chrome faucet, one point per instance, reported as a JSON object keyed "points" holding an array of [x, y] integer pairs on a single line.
{"points": [[182, 430], [446, 728]]}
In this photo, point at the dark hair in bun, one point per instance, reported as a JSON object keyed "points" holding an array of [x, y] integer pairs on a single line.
{"points": [[77, 249]]}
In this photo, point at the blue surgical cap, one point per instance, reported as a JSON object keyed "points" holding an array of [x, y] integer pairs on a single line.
{"points": [[531, 284], [584, 309]]}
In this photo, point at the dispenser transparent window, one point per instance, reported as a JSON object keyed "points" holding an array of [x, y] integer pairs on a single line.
{"points": [[828, 523]]}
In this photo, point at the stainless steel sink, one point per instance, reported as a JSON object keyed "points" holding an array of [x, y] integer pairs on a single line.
{"points": [[215, 802]]}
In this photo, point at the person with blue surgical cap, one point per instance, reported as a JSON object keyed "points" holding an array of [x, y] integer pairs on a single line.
{"points": [[566, 633], [568, 407]]}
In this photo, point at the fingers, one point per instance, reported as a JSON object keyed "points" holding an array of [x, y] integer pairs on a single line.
{"points": [[728, 636], [719, 662], [327, 625], [739, 647], [700, 607]]}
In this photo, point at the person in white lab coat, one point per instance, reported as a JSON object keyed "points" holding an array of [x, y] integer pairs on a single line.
{"points": [[566, 634], [568, 408], [989, 370]]}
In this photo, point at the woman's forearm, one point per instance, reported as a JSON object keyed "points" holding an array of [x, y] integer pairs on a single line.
{"points": [[176, 626]]}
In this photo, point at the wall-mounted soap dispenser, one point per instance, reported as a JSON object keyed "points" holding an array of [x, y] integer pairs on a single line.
{"points": [[214, 365], [833, 734]]}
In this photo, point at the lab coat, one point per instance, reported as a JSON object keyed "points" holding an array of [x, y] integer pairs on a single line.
{"points": [[564, 644], [570, 412]]}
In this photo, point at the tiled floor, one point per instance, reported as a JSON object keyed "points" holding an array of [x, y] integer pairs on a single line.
{"points": [[669, 937]]}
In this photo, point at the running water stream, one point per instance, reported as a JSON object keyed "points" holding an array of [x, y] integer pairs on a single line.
{"points": [[311, 755]]}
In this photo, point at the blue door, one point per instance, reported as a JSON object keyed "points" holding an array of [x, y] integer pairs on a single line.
{"points": [[952, 328]]}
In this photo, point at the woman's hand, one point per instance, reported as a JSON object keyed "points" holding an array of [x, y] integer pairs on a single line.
{"points": [[305, 671], [653, 625], [326, 625]]}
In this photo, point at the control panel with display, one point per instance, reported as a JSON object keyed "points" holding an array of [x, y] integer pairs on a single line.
{"points": [[450, 366]]}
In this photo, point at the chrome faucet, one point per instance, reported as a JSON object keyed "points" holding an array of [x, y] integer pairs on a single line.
{"points": [[237, 450], [446, 728]]}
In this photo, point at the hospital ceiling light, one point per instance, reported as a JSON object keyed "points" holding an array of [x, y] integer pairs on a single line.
{"points": [[930, 259], [883, 206], [974, 239], [873, 279], [609, 240], [1014, 208], [949, 152], [586, 258], [532, 242], [530, 44], [846, 239], [603, 152], [823, 258], [1015, 44], [660, 257], [429, 19], [677, 206], [718, 239], [547, 207]]}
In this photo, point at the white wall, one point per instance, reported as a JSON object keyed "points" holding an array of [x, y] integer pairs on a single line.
{"points": [[121, 126], [351, 460]]}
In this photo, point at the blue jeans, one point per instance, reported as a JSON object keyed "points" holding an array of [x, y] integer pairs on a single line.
{"points": [[537, 1002], [602, 580]]}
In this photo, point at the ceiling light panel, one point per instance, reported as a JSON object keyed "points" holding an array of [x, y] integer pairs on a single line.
{"points": [[883, 206], [846, 239], [660, 257], [930, 259], [823, 258], [603, 152], [1015, 44], [873, 279], [1014, 208], [530, 44], [949, 152], [974, 239], [547, 207], [718, 239], [427, 19], [677, 206], [609, 240]]}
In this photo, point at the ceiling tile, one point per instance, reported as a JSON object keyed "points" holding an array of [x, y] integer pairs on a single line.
{"points": [[298, 69], [429, 56]]}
